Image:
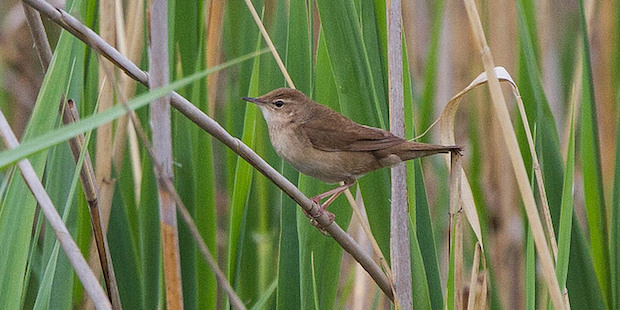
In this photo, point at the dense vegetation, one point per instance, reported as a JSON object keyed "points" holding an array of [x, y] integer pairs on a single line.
{"points": [[561, 65]]}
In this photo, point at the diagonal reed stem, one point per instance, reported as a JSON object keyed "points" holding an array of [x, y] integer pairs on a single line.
{"points": [[194, 114]]}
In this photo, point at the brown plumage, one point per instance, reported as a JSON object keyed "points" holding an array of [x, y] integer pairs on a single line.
{"points": [[324, 144]]}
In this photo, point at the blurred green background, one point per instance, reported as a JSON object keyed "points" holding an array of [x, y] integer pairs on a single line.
{"points": [[335, 52]]}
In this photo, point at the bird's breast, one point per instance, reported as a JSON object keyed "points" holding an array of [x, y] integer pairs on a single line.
{"points": [[286, 142]]}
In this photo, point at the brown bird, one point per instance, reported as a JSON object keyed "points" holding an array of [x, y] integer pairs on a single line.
{"points": [[322, 143]]}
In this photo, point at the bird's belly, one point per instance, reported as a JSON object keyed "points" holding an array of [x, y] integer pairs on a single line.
{"points": [[330, 167]]}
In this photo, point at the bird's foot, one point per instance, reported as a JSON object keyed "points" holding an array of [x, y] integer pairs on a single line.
{"points": [[317, 199], [316, 212], [318, 225]]}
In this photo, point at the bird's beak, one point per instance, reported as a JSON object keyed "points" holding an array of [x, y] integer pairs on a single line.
{"points": [[253, 100]]}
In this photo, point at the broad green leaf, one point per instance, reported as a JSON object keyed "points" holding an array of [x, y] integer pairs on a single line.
{"points": [[358, 100], [62, 288], [566, 215], [326, 252], [260, 264], [591, 169], [419, 280], [204, 209], [583, 287], [183, 134], [150, 267], [427, 104], [373, 28], [424, 264], [614, 238], [188, 24], [530, 271], [426, 239], [242, 186], [300, 66]]}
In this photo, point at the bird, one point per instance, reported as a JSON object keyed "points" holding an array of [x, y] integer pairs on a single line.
{"points": [[324, 144]]}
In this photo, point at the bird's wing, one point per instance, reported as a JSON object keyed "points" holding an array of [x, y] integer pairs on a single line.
{"points": [[332, 132]]}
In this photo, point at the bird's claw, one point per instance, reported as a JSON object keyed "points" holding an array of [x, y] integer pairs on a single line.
{"points": [[316, 224], [317, 213]]}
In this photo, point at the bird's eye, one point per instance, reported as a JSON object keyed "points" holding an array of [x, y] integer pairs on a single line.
{"points": [[278, 103]]}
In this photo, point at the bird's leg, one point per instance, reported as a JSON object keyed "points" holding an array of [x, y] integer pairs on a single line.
{"points": [[334, 194], [332, 198], [318, 197]]}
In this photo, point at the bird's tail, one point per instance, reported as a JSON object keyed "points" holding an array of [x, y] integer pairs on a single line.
{"points": [[411, 150]]}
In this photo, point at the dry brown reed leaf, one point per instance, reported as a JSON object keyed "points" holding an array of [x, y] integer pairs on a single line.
{"points": [[272, 47], [499, 107], [446, 129], [446, 135], [446, 122]]}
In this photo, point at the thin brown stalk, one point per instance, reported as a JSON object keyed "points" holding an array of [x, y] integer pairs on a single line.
{"points": [[91, 192], [194, 114], [41, 44], [235, 301], [363, 220], [539, 179], [399, 211], [89, 281], [162, 146], [512, 147], [361, 292], [263, 31]]}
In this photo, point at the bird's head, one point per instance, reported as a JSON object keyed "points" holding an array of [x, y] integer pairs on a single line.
{"points": [[280, 104]]}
